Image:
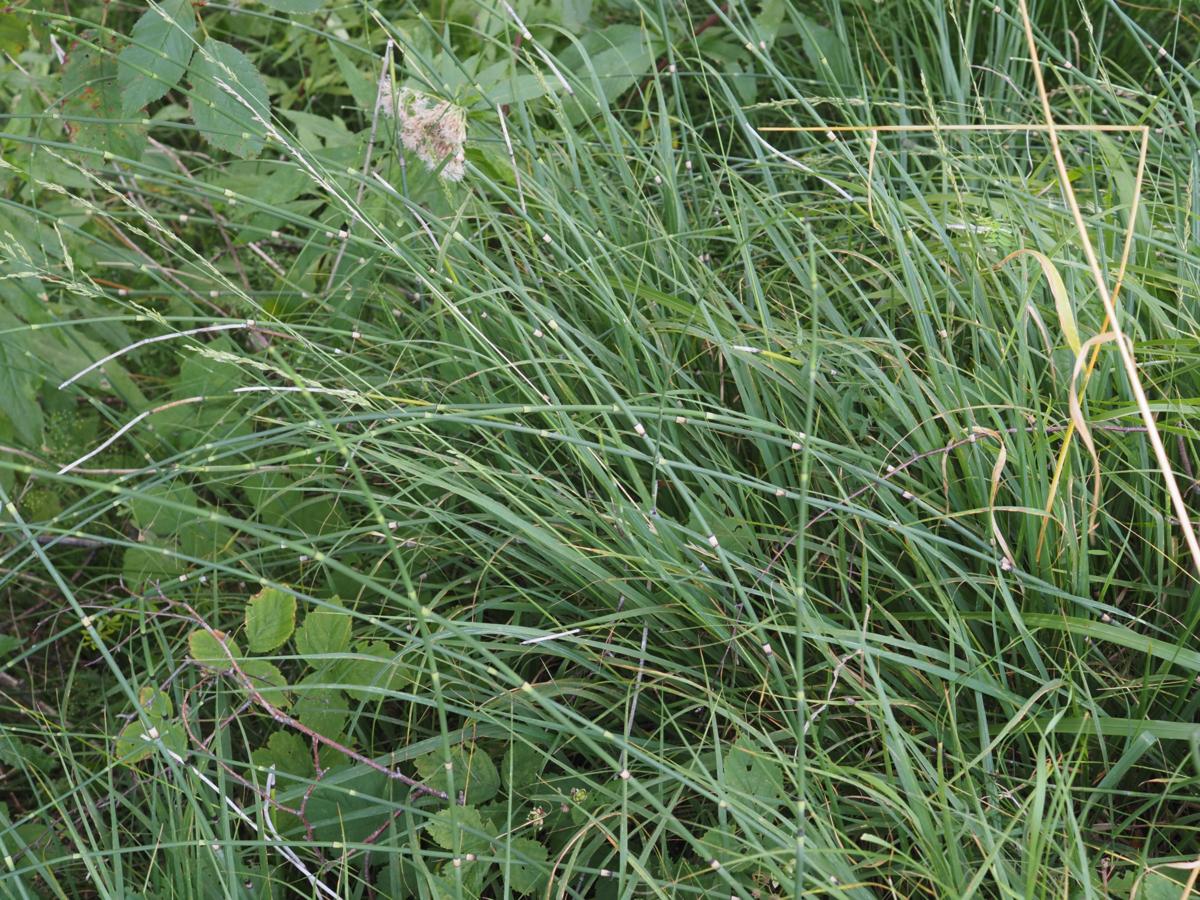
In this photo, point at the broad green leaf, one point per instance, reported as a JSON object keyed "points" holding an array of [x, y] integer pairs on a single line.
{"points": [[267, 680], [230, 103], [164, 509], [324, 631], [349, 802], [136, 740], [374, 668], [287, 752], [1149, 884], [362, 88], [150, 563], [18, 754], [528, 865], [212, 649], [522, 766], [721, 844], [38, 841], [295, 6], [270, 619], [184, 427], [769, 20], [155, 702], [461, 830], [92, 108], [323, 709], [827, 49], [575, 14], [161, 45], [608, 62], [502, 82], [317, 132], [753, 775], [18, 400], [469, 874], [14, 34], [474, 773], [9, 644]]}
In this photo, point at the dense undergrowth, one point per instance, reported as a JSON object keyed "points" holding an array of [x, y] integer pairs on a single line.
{"points": [[664, 507]]}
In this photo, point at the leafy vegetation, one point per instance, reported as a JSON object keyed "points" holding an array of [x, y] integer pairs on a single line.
{"points": [[599, 448]]}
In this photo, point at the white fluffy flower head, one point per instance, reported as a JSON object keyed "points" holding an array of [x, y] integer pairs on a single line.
{"points": [[435, 130]]}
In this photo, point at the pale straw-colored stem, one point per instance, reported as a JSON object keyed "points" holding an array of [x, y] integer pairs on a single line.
{"points": [[1124, 344]]}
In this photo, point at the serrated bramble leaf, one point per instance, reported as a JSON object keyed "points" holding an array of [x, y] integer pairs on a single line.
{"points": [[270, 619], [473, 771], [373, 670], [161, 45], [528, 865], [230, 104], [461, 829], [268, 681], [287, 752], [324, 631], [323, 709], [212, 649]]}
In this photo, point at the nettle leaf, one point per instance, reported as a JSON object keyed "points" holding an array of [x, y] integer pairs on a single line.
{"points": [[92, 108], [528, 865], [461, 829], [209, 648], [270, 619], [757, 777], [158, 55], [295, 6], [230, 103], [325, 631], [474, 773]]}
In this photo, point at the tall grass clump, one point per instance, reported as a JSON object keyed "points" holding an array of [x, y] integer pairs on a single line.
{"points": [[598, 449]]}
